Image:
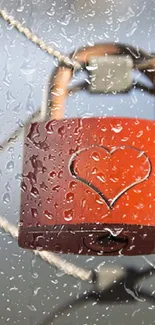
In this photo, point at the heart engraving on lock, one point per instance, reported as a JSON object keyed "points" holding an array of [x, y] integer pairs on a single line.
{"points": [[110, 173]]}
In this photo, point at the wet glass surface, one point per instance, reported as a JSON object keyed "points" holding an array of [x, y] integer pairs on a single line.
{"points": [[30, 288]]}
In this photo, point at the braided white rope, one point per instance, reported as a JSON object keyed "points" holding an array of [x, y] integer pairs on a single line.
{"points": [[51, 258], [39, 42]]}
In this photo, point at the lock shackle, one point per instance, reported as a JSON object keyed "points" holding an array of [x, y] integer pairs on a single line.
{"points": [[142, 61]]}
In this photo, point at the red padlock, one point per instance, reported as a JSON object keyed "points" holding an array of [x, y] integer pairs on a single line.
{"points": [[88, 184]]}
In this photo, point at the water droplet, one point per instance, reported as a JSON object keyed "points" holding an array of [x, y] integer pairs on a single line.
{"points": [[151, 307], [17, 108], [124, 139], [59, 273], [48, 215], [100, 201], [95, 156], [51, 12], [14, 289], [23, 186], [92, 68], [110, 108], [132, 30], [101, 177], [114, 231], [104, 129], [65, 19], [10, 165], [69, 197], [56, 205], [133, 294], [18, 177], [51, 157], [140, 206], [43, 186], [114, 180], [34, 191], [49, 127], [11, 149], [136, 122], [68, 215], [130, 13], [61, 131], [6, 198], [21, 8], [52, 174], [56, 188], [35, 292], [117, 129], [32, 178], [49, 200], [72, 185], [139, 134], [32, 308], [34, 212], [60, 174], [36, 164], [83, 201], [72, 151], [7, 187]]}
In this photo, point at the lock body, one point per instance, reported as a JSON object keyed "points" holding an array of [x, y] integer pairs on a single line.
{"points": [[88, 186]]}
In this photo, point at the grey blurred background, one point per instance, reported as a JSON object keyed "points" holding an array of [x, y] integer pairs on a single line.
{"points": [[29, 288]]}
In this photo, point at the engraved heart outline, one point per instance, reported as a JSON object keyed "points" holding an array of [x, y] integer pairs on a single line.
{"points": [[110, 204]]}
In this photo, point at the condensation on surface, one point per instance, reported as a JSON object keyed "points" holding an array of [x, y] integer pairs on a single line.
{"points": [[31, 289]]}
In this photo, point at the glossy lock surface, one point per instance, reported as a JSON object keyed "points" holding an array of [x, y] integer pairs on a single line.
{"points": [[88, 186]]}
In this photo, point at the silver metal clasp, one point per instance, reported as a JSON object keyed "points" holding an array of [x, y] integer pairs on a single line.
{"points": [[110, 73]]}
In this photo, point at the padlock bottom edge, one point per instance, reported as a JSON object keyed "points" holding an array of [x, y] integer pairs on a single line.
{"points": [[90, 239]]}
